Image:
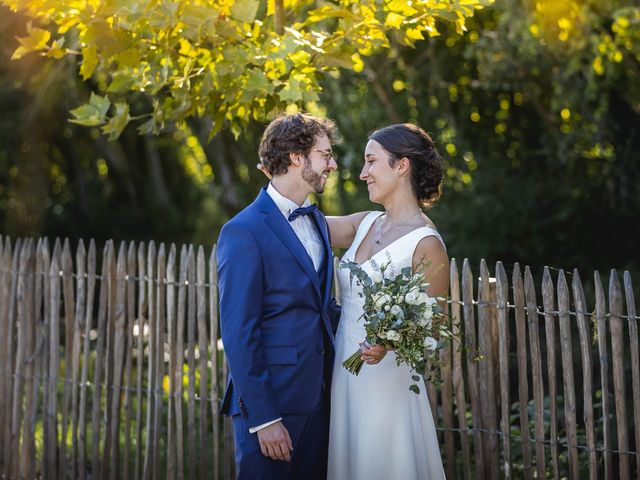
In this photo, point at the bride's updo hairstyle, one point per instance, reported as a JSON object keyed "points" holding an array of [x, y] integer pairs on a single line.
{"points": [[410, 141]]}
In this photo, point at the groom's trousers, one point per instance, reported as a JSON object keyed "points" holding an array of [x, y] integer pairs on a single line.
{"points": [[310, 437]]}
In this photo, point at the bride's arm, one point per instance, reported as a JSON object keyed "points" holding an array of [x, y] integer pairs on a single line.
{"points": [[431, 258], [343, 229]]}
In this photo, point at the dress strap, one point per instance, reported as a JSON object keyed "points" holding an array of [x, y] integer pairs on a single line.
{"points": [[414, 237]]}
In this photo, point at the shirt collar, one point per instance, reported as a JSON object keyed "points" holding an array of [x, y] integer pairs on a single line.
{"points": [[285, 205]]}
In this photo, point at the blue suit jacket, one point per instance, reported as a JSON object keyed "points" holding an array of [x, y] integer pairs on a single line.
{"points": [[277, 321]]}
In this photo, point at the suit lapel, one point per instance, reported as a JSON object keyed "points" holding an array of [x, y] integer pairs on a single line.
{"points": [[285, 233]]}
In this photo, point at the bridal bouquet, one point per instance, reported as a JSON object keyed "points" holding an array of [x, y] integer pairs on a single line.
{"points": [[400, 315]]}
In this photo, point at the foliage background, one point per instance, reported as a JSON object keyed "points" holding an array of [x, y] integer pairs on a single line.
{"points": [[536, 109]]}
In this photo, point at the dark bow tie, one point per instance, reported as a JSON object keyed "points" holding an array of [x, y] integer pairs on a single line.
{"points": [[303, 211]]}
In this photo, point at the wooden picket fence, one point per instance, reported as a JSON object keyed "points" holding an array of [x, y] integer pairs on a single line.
{"points": [[118, 372]]}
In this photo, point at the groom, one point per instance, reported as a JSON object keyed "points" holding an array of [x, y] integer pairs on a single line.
{"points": [[277, 315]]}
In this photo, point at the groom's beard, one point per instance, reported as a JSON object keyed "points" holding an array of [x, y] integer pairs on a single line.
{"points": [[313, 178]]}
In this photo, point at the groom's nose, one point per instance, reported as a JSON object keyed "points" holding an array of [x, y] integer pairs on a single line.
{"points": [[333, 165]]}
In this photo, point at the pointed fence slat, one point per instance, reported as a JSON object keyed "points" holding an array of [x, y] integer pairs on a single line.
{"points": [[51, 420], [18, 384], [150, 446], [567, 373], [536, 370], [203, 340], [447, 409], [191, 341], [548, 301], [502, 294], [86, 351], [215, 389], [76, 350], [635, 362], [618, 363], [173, 372], [523, 380], [12, 258], [141, 324], [601, 329], [110, 360], [68, 296], [457, 374], [40, 354], [587, 371], [23, 386], [160, 355], [101, 345], [487, 390], [182, 312], [472, 368], [128, 379], [119, 319]]}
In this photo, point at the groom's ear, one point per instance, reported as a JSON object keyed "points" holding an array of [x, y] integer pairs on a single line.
{"points": [[296, 158]]}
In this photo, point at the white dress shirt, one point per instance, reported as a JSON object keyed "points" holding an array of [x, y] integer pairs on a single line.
{"points": [[303, 226], [307, 233]]}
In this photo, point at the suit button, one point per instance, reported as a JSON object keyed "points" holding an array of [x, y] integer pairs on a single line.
{"points": [[321, 350]]}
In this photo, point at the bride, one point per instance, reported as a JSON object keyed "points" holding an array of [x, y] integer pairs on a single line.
{"points": [[379, 429]]}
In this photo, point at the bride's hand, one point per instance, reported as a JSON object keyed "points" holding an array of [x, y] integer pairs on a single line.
{"points": [[374, 354]]}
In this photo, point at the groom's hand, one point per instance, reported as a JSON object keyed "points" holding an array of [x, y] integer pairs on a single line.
{"points": [[275, 442]]}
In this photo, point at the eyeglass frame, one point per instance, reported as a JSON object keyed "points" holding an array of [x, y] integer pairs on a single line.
{"points": [[328, 154]]}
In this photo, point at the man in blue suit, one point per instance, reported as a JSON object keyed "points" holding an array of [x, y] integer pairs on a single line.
{"points": [[277, 315]]}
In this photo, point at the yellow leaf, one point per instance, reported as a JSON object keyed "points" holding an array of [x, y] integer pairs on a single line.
{"points": [[358, 64], [89, 61], [37, 40], [394, 20]]}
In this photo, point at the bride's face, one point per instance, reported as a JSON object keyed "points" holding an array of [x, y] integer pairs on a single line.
{"points": [[382, 179]]}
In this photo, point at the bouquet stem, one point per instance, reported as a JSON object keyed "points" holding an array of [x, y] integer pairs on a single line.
{"points": [[354, 363]]}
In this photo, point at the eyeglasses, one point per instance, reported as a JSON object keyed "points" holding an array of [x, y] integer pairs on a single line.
{"points": [[326, 154]]}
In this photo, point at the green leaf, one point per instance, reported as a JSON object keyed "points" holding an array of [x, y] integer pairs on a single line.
{"points": [[414, 389], [92, 113], [118, 122], [245, 10], [120, 84]]}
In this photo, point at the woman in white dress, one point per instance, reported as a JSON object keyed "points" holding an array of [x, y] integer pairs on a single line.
{"points": [[379, 429]]}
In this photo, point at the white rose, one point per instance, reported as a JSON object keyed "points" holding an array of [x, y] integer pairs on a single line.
{"points": [[387, 308], [376, 277], [381, 299], [396, 310], [411, 298], [430, 343], [393, 335], [422, 298]]}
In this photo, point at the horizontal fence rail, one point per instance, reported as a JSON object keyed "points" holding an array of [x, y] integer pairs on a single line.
{"points": [[111, 366]]}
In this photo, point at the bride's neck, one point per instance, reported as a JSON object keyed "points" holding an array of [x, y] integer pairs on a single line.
{"points": [[401, 210]]}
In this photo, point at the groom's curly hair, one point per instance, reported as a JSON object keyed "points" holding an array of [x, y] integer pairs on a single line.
{"points": [[294, 133]]}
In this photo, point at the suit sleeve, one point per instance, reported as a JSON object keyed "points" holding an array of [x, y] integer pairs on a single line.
{"points": [[240, 277]]}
